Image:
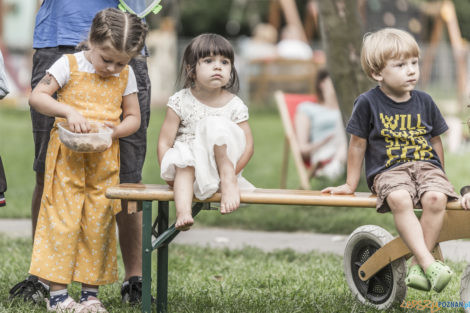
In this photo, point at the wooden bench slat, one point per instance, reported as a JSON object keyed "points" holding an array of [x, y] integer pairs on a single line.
{"points": [[256, 196]]}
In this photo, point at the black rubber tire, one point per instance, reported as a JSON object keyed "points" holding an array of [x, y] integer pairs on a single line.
{"points": [[384, 288]]}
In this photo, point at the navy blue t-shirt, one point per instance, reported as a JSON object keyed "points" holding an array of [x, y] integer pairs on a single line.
{"points": [[396, 132]]}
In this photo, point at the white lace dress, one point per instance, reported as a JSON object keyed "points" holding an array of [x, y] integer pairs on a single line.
{"points": [[202, 127]]}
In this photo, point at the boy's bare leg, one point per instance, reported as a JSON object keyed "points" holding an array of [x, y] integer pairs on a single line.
{"points": [[409, 227], [434, 205], [130, 241], [183, 189], [230, 200]]}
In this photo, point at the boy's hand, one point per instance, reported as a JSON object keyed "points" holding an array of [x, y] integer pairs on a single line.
{"points": [[340, 190], [465, 201]]}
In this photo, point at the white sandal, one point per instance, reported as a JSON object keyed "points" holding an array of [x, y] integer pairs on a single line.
{"points": [[67, 306], [93, 305]]}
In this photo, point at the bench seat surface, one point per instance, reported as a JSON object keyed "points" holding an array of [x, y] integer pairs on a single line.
{"points": [[261, 196]]}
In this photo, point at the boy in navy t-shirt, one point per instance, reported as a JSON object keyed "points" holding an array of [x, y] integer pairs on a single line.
{"points": [[397, 130]]}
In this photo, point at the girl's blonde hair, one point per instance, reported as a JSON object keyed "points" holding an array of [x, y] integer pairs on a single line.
{"points": [[126, 32], [203, 46], [386, 44]]}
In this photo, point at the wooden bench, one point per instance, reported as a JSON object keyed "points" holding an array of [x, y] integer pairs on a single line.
{"points": [[157, 236]]}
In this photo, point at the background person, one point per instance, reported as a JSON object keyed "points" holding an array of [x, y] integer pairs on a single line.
{"points": [[262, 44], [292, 44], [60, 26], [320, 132]]}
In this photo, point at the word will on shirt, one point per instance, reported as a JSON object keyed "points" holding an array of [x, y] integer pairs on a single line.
{"points": [[404, 138]]}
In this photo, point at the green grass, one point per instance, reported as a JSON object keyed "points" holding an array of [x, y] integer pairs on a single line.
{"points": [[17, 150], [220, 280]]}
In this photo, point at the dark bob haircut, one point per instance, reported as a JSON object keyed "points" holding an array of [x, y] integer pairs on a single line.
{"points": [[203, 46]]}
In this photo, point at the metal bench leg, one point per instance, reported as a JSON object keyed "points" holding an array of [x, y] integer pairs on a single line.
{"points": [[162, 260], [146, 255]]}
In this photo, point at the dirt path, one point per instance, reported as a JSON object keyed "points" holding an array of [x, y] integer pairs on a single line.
{"points": [[456, 250]]}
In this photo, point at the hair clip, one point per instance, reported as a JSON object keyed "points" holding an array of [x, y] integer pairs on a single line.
{"points": [[136, 7]]}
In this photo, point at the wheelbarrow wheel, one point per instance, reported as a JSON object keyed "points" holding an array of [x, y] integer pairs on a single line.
{"points": [[385, 287], [465, 288]]}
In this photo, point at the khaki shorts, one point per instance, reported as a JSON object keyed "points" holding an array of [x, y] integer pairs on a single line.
{"points": [[414, 177]]}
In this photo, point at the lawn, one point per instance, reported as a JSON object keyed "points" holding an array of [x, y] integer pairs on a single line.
{"points": [[16, 149], [218, 280]]}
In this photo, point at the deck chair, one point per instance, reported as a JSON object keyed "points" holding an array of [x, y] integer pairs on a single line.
{"points": [[287, 106]]}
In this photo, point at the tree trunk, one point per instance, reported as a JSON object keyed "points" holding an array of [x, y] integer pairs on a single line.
{"points": [[341, 33]]}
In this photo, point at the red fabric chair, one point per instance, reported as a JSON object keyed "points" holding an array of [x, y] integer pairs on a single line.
{"points": [[287, 106]]}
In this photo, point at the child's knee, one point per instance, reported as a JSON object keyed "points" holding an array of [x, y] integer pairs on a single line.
{"points": [[184, 170], [434, 200], [220, 150], [399, 200]]}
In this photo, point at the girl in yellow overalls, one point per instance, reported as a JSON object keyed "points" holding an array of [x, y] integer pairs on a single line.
{"points": [[75, 235]]}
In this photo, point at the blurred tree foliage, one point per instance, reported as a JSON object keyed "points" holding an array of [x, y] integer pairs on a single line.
{"points": [[203, 16], [463, 15], [225, 17], [232, 18]]}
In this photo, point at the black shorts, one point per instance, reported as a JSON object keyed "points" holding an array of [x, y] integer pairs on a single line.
{"points": [[132, 148]]}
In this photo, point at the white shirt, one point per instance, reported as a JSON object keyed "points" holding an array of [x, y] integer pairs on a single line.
{"points": [[61, 72], [190, 111]]}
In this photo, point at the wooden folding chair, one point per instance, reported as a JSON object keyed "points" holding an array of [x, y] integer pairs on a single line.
{"points": [[287, 106]]}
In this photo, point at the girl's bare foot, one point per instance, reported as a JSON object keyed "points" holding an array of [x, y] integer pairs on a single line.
{"points": [[184, 221], [183, 189], [230, 200]]}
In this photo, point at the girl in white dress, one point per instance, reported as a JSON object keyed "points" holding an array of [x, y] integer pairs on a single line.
{"points": [[205, 140]]}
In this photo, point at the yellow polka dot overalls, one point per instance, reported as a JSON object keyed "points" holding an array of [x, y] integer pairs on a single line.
{"points": [[75, 237]]}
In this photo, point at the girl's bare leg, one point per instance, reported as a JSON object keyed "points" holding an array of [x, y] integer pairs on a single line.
{"points": [[183, 189], [92, 288], [230, 200], [56, 286], [409, 227]]}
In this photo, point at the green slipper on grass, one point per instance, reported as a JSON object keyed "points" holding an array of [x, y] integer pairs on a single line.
{"points": [[439, 275], [417, 279]]}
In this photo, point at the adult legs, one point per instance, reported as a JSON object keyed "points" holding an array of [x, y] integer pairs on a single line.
{"points": [[130, 241], [133, 150], [230, 200], [36, 200]]}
